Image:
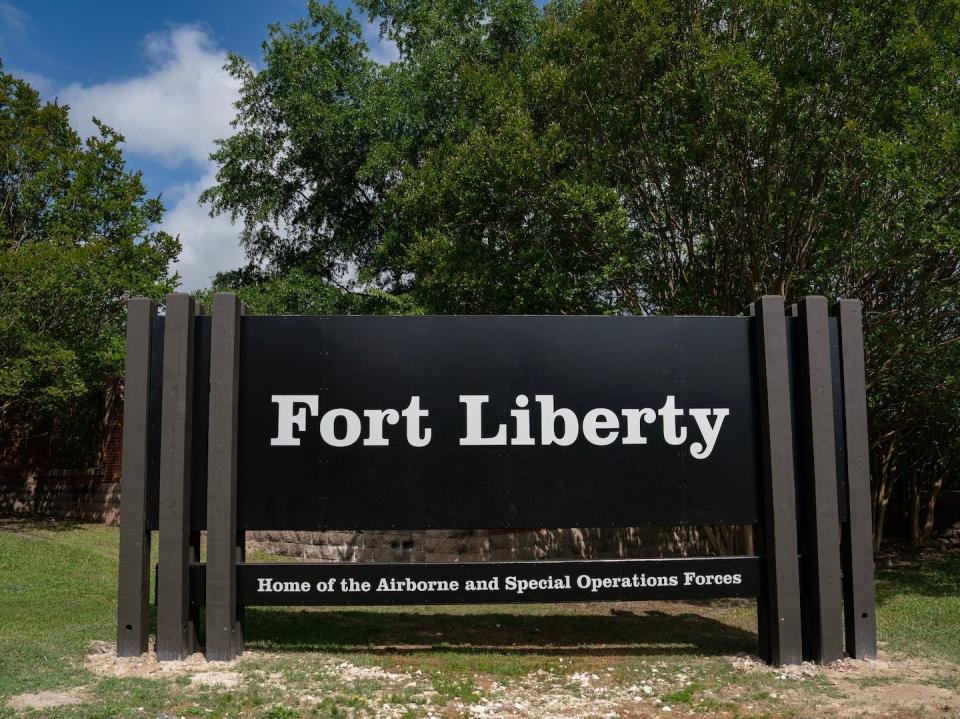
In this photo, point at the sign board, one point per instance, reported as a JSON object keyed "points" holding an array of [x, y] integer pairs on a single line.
{"points": [[483, 422], [237, 423], [337, 583]]}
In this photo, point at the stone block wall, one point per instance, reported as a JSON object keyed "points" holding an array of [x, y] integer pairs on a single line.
{"points": [[434, 545]]}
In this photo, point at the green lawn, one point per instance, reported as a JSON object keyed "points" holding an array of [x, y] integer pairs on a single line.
{"points": [[918, 608], [57, 593]]}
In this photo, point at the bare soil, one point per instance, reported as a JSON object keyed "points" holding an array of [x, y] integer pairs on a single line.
{"points": [[891, 686], [49, 699], [888, 686]]}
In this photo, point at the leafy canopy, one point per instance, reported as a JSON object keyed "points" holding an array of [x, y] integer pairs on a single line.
{"points": [[623, 156], [644, 156], [76, 240]]}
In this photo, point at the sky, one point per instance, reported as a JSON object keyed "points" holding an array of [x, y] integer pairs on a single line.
{"points": [[153, 72]]}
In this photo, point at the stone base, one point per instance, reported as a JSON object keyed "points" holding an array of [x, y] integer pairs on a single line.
{"points": [[433, 545]]}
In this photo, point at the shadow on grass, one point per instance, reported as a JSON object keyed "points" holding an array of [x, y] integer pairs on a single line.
{"points": [[411, 632], [17, 522], [928, 578]]}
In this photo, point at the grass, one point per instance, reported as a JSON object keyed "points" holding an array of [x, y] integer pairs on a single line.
{"points": [[918, 608], [57, 593]]}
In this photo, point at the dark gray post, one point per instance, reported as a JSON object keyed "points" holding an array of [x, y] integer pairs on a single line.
{"points": [[859, 601], [818, 461], [176, 633], [779, 608], [759, 543], [241, 558], [196, 601], [224, 632], [133, 582]]}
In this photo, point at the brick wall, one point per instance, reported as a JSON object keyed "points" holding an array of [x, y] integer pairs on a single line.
{"points": [[82, 495], [31, 483]]}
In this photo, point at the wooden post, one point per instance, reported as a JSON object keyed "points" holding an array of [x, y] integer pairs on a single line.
{"points": [[133, 582], [818, 463], [176, 632], [241, 558], [779, 603], [859, 601], [224, 630]]}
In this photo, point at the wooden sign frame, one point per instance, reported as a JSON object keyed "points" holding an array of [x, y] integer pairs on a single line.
{"points": [[813, 570]]}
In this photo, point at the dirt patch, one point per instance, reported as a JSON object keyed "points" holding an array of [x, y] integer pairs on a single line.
{"points": [[216, 679], [350, 672], [542, 695], [50, 700], [891, 686], [882, 687], [102, 660]]}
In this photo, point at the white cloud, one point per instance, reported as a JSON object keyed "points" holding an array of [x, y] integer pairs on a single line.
{"points": [[13, 17], [41, 83], [175, 110], [173, 113], [210, 244], [379, 49]]}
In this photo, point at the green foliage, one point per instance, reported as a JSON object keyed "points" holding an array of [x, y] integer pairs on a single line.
{"points": [[299, 292], [628, 156], [76, 240], [302, 148]]}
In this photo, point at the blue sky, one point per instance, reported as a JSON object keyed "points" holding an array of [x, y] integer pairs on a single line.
{"points": [[153, 72]]}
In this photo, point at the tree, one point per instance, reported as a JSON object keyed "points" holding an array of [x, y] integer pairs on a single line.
{"points": [[299, 292], [630, 156], [76, 240]]}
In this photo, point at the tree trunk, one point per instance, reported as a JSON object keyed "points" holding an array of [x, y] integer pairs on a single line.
{"points": [[915, 507], [935, 488], [885, 479]]}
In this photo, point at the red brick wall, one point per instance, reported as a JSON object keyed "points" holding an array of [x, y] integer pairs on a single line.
{"points": [[80, 495], [31, 480], [110, 450]]}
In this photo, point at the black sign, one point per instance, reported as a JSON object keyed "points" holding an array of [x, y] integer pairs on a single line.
{"points": [[480, 422]]}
